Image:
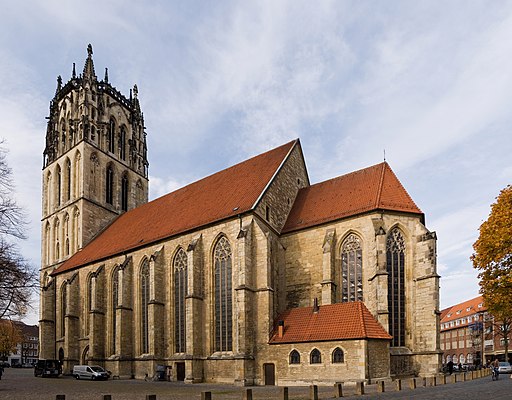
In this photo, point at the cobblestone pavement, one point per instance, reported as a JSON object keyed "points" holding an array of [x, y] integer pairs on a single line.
{"points": [[20, 384]]}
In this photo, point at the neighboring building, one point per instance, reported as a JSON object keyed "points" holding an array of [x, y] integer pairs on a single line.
{"points": [[214, 278], [467, 332], [27, 350]]}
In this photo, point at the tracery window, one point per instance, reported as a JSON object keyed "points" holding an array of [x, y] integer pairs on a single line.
{"points": [[59, 184], [315, 357], [113, 310], [68, 180], [144, 306], [294, 357], [88, 304], [223, 296], [109, 190], [351, 270], [180, 291], [124, 193], [338, 356], [395, 261]]}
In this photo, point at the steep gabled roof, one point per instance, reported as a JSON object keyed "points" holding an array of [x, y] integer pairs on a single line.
{"points": [[368, 189], [340, 321], [219, 196]]}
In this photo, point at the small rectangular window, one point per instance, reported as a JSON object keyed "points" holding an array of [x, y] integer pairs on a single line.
{"points": [[267, 213]]}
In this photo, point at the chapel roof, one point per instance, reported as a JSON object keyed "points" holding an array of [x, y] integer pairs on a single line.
{"points": [[340, 321], [225, 194], [372, 188]]}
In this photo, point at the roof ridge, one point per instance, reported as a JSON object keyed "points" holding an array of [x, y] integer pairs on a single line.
{"points": [[361, 316], [381, 184]]}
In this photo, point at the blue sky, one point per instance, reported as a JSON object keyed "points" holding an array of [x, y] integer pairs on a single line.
{"points": [[428, 82]]}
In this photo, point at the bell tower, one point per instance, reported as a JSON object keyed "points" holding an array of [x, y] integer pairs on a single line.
{"points": [[94, 164]]}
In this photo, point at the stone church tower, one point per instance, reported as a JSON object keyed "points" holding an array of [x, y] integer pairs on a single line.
{"points": [[95, 168]]}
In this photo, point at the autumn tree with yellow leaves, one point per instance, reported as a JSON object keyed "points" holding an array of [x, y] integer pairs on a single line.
{"points": [[493, 259]]}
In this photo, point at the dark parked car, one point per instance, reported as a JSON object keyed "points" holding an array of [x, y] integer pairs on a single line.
{"points": [[45, 368]]}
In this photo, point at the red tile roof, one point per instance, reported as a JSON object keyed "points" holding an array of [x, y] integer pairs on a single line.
{"points": [[340, 321], [224, 194], [462, 310], [368, 189]]}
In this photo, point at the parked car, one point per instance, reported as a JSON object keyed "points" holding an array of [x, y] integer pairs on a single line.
{"points": [[45, 368], [504, 368], [5, 364], [93, 372]]}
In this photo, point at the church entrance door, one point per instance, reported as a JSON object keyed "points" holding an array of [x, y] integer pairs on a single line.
{"points": [[270, 374], [180, 371]]}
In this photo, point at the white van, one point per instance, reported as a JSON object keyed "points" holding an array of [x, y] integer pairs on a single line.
{"points": [[93, 372]]}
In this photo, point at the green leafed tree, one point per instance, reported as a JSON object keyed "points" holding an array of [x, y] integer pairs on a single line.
{"points": [[493, 259]]}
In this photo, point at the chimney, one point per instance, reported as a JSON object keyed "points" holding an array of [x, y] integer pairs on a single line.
{"points": [[316, 308], [280, 328]]}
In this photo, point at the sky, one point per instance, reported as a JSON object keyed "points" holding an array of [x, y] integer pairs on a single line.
{"points": [[425, 84]]}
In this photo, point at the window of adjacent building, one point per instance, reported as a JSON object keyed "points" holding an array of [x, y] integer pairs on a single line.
{"points": [[294, 357], [180, 292], [338, 356], [223, 296], [144, 306], [113, 310], [124, 193], [315, 357], [267, 213], [395, 261], [351, 270], [109, 189]]}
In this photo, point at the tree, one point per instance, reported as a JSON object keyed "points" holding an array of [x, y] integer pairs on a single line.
{"points": [[17, 279], [493, 258], [10, 336]]}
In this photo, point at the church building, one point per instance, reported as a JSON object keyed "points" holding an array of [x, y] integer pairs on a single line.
{"points": [[250, 276]]}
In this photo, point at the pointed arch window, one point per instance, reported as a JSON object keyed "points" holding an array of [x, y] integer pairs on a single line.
{"points": [[68, 180], [338, 356], [113, 310], [109, 190], [180, 292], [351, 269], [124, 193], [88, 304], [59, 185], [144, 306], [294, 357], [395, 263], [122, 143], [63, 308], [111, 136], [223, 296], [315, 357]]}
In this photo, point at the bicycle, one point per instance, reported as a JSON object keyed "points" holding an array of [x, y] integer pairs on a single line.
{"points": [[153, 378], [495, 374]]}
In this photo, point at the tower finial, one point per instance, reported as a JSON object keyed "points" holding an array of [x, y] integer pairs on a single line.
{"points": [[89, 50], [59, 84], [135, 91], [89, 65], [73, 74], [384, 155], [106, 75]]}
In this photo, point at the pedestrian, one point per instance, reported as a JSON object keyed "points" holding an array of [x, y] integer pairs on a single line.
{"points": [[1, 371], [450, 367]]}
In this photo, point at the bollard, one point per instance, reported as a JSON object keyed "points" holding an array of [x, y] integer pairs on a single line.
{"points": [[434, 380], [380, 386], [206, 395], [338, 390], [60, 397], [313, 392], [443, 379], [359, 388], [284, 393], [151, 397], [412, 383], [248, 394], [107, 397], [398, 384]]}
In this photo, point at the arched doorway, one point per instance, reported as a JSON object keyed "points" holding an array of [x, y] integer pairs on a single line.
{"points": [[85, 355], [61, 358]]}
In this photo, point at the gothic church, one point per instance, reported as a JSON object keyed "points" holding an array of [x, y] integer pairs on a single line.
{"points": [[250, 276]]}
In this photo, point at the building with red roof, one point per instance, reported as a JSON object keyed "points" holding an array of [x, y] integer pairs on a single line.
{"points": [[229, 278]]}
